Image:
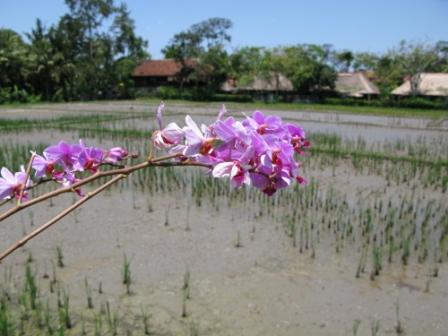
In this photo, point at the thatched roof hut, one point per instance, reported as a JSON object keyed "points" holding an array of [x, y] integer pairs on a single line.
{"points": [[275, 82], [355, 84], [430, 84]]}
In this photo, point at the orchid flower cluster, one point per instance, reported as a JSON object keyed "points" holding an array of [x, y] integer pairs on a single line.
{"points": [[60, 163], [259, 150]]}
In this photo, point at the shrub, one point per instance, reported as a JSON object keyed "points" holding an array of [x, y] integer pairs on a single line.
{"points": [[16, 95]]}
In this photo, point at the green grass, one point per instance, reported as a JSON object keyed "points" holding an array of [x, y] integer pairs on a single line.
{"points": [[363, 110], [309, 107]]}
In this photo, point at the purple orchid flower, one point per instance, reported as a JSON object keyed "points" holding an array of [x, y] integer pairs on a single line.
{"points": [[115, 154], [230, 131], [237, 169], [297, 138], [238, 175], [90, 159], [43, 165], [264, 124], [12, 184], [169, 136], [269, 184], [225, 144], [197, 141], [64, 154]]}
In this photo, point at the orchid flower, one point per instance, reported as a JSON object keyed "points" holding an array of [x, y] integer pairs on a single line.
{"points": [[169, 136], [63, 153], [43, 165], [197, 141], [11, 184], [115, 154], [258, 151], [90, 159]]}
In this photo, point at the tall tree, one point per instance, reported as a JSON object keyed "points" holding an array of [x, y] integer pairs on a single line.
{"points": [[127, 43], [365, 61], [343, 60], [207, 36], [14, 60], [306, 67], [416, 59], [249, 62], [91, 13]]}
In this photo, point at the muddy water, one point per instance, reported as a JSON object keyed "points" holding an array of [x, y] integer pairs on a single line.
{"points": [[264, 287], [373, 129], [52, 110]]}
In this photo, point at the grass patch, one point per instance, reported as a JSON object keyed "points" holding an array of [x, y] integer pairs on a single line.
{"points": [[313, 107], [307, 107]]}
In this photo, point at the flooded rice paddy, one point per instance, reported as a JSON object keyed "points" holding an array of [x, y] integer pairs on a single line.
{"points": [[360, 250]]}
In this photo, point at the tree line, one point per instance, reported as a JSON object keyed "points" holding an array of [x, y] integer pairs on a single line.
{"points": [[91, 51], [311, 68], [78, 58]]}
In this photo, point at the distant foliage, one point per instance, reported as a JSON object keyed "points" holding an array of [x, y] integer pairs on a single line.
{"points": [[91, 51], [77, 58]]}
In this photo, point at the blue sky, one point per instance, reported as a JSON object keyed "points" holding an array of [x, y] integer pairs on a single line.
{"points": [[360, 25]]}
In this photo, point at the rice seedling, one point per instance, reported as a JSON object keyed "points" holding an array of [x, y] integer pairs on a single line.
{"points": [[146, 320], [112, 320], [187, 218], [126, 274], [31, 288], [194, 328], [39, 316], [406, 252], [291, 228], [398, 326], [356, 325], [48, 320], [428, 284], [53, 280], [374, 327], [167, 220], [88, 294], [186, 284], [30, 258], [64, 311], [100, 288], [6, 326], [237, 242], [31, 215], [377, 262], [83, 326], [98, 325], [184, 303], [60, 257]]}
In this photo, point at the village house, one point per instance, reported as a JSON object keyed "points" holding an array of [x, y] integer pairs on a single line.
{"points": [[356, 85], [426, 84], [261, 87], [156, 73]]}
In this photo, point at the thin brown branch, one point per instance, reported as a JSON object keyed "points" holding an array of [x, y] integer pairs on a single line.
{"points": [[91, 178], [28, 172], [58, 217]]}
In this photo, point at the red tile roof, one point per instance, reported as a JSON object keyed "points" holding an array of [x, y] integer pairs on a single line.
{"points": [[158, 68]]}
